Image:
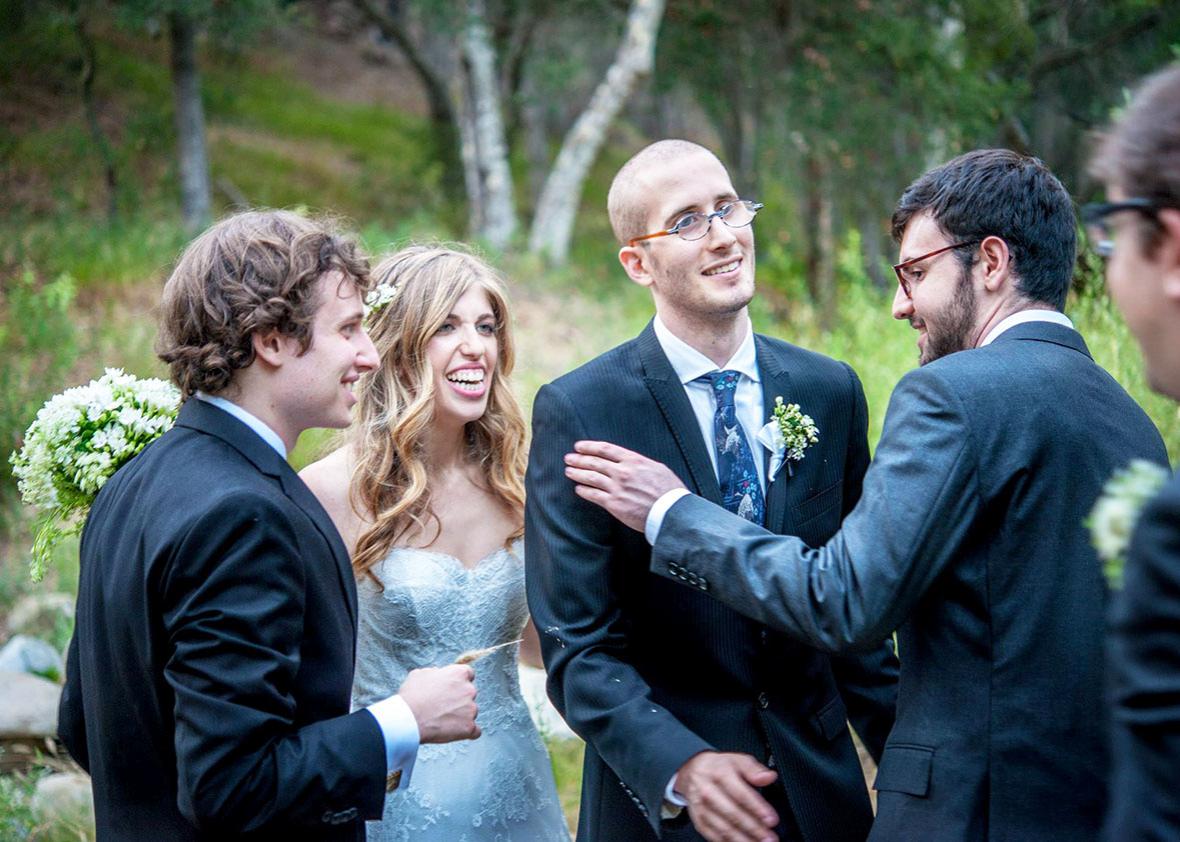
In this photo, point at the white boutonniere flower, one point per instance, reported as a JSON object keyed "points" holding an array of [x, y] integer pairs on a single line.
{"points": [[1113, 518], [786, 435]]}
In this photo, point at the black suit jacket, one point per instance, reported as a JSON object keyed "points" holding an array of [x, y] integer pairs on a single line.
{"points": [[970, 541], [207, 684], [1144, 660], [648, 673]]}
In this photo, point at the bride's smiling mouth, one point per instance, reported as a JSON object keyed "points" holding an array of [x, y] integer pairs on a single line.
{"points": [[468, 381]]}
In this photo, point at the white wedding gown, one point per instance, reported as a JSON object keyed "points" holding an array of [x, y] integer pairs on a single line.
{"points": [[498, 788]]}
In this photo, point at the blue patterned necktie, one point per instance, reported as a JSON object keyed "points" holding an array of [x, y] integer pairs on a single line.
{"points": [[736, 472]]}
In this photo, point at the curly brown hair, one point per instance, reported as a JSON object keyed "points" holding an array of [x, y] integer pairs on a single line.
{"points": [[254, 272]]}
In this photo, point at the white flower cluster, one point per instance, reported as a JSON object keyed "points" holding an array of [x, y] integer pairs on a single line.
{"points": [[1113, 518], [379, 296], [798, 430], [77, 442]]}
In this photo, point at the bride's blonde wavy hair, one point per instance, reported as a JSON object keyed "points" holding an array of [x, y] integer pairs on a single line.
{"points": [[395, 404]]}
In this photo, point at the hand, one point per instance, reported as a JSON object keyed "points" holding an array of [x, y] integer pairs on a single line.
{"points": [[622, 481], [442, 700], [723, 801]]}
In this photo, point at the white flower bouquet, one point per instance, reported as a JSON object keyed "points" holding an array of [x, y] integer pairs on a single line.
{"points": [[1113, 518], [77, 442]]}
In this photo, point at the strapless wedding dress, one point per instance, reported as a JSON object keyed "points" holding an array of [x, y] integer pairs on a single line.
{"points": [[498, 788]]}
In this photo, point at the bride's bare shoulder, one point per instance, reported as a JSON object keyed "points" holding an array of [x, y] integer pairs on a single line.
{"points": [[328, 479]]}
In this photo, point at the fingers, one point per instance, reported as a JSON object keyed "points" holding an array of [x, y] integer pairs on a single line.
{"points": [[722, 800], [594, 479], [734, 815], [590, 463], [604, 449], [754, 772]]}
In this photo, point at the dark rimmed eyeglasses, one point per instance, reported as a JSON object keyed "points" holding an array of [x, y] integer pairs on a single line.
{"points": [[1094, 218], [693, 226], [907, 272]]}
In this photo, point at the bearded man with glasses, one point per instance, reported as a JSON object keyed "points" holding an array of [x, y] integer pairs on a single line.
{"points": [[699, 723], [968, 539]]}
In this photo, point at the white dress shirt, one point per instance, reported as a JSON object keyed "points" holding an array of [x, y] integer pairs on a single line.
{"points": [[398, 727], [1021, 317], [689, 365], [655, 517]]}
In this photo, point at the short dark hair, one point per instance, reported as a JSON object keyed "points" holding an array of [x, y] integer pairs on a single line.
{"points": [[250, 273], [1140, 155], [997, 192]]}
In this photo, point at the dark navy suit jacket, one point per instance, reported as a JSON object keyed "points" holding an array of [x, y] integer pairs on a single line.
{"points": [[208, 679], [649, 673], [1145, 680], [969, 540]]}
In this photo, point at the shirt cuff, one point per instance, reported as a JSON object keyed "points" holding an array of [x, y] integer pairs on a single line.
{"points": [[400, 732], [673, 802], [655, 517]]}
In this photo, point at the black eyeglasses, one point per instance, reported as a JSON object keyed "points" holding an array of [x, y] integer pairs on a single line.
{"points": [[908, 275], [1098, 229], [693, 226]]}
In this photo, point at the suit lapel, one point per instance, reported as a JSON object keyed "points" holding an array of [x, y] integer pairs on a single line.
{"points": [[776, 382], [209, 419], [302, 497], [668, 392]]}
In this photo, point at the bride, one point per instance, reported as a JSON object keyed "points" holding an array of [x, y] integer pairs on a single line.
{"points": [[428, 494]]}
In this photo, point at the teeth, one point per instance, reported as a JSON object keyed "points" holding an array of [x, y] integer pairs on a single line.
{"points": [[728, 267], [467, 375]]}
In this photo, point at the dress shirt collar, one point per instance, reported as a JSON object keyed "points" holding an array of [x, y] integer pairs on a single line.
{"points": [[690, 364], [253, 422], [1023, 317]]}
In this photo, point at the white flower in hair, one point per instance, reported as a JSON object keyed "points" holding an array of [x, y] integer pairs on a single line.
{"points": [[379, 296]]}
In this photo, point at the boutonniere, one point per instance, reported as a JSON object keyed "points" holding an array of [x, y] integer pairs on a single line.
{"points": [[1113, 518], [786, 435]]}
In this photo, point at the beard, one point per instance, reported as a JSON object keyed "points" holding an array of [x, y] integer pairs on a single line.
{"points": [[951, 330]]}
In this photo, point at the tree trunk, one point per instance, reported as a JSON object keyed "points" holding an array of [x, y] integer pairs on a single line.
{"points": [[91, 110], [486, 132], [443, 123], [553, 221], [821, 240], [872, 230], [192, 160]]}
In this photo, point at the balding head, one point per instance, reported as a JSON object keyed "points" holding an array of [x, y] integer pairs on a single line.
{"points": [[630, 193]]}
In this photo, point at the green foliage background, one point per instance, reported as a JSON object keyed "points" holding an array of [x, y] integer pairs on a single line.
{"points": [[77, 291]]}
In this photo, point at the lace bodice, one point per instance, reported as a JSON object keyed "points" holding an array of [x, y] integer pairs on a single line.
{"points": [[498, 788]]}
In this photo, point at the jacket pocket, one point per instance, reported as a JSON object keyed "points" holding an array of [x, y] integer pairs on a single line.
{"points": [[832, 719], [905, 768], [819, 503]]}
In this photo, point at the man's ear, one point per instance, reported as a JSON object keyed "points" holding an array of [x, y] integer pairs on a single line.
{"points": [[1168, 252], [635, 260], [269, 347], [996, 262]]}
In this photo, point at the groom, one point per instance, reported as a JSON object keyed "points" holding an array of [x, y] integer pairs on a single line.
{"points": [[208, 679], [969, 538], [683, 702]]}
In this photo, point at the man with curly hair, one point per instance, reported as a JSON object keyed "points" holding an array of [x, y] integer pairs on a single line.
{"points": [[208, 679]]}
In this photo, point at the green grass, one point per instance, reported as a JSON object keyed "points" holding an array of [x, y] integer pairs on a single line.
{"points": [[566, 759]]}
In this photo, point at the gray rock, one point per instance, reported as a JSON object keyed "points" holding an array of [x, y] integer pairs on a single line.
{"points": [[39, 613], [28, 654], [64, 804], [28, 706]]}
